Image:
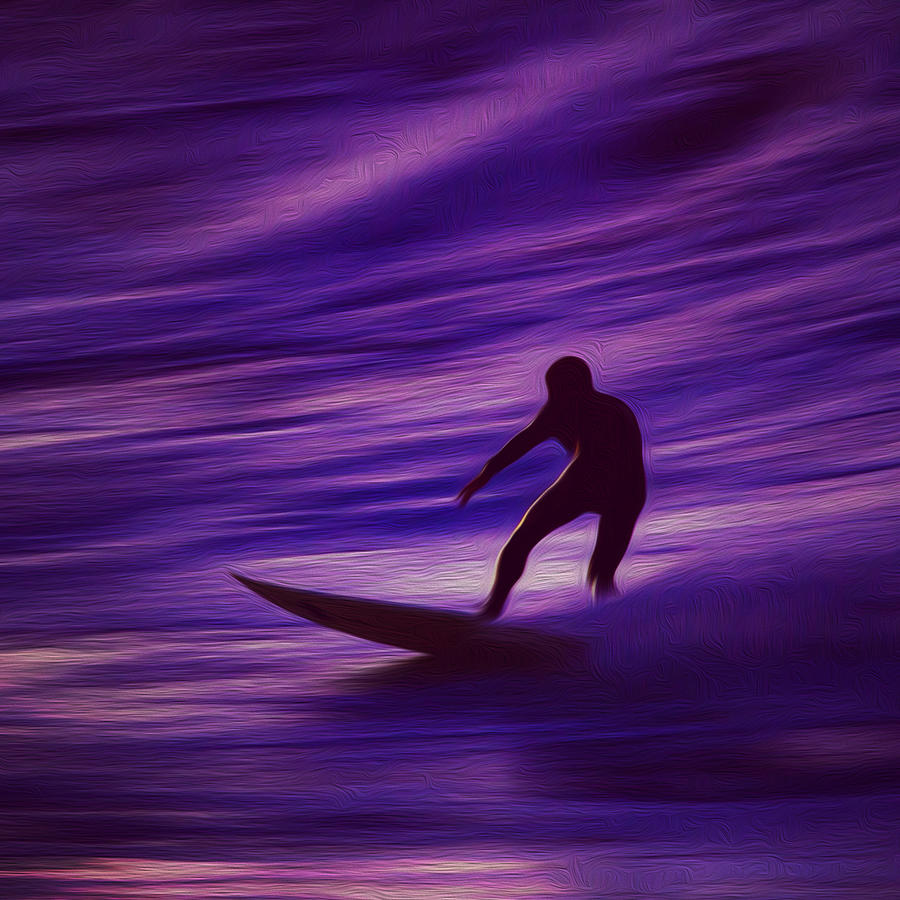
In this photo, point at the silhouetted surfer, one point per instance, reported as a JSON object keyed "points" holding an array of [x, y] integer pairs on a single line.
{"points": [[605, 476]]}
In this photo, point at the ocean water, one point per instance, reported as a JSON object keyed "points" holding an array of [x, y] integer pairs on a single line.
{"points": [[279, 278]]}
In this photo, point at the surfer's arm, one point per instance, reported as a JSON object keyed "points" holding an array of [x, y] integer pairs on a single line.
{"points": [[527, 439]]}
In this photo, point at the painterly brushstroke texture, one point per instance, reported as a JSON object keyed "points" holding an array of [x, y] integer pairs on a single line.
{"points": [[279, 277]]}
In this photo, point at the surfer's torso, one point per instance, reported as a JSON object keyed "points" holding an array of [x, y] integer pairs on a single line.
{"points": [[603, 437]]}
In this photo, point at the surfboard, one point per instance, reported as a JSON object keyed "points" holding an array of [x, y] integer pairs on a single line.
{"points": [[416, 628]]}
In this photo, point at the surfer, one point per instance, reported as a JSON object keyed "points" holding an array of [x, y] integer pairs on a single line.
{"points": [[605, 477]]}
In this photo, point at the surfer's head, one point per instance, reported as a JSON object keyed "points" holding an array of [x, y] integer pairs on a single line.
{"points": [[569, 376]]}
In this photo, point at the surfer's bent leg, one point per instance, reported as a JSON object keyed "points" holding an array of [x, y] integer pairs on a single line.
{"points": [[613, 536], [553, 509]]}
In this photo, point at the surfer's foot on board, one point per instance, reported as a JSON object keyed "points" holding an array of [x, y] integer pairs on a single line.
{"points": [[604, 590], [489, 611]]}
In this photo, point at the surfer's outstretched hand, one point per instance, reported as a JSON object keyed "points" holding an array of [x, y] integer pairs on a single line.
{"points": [[476, 484]]}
